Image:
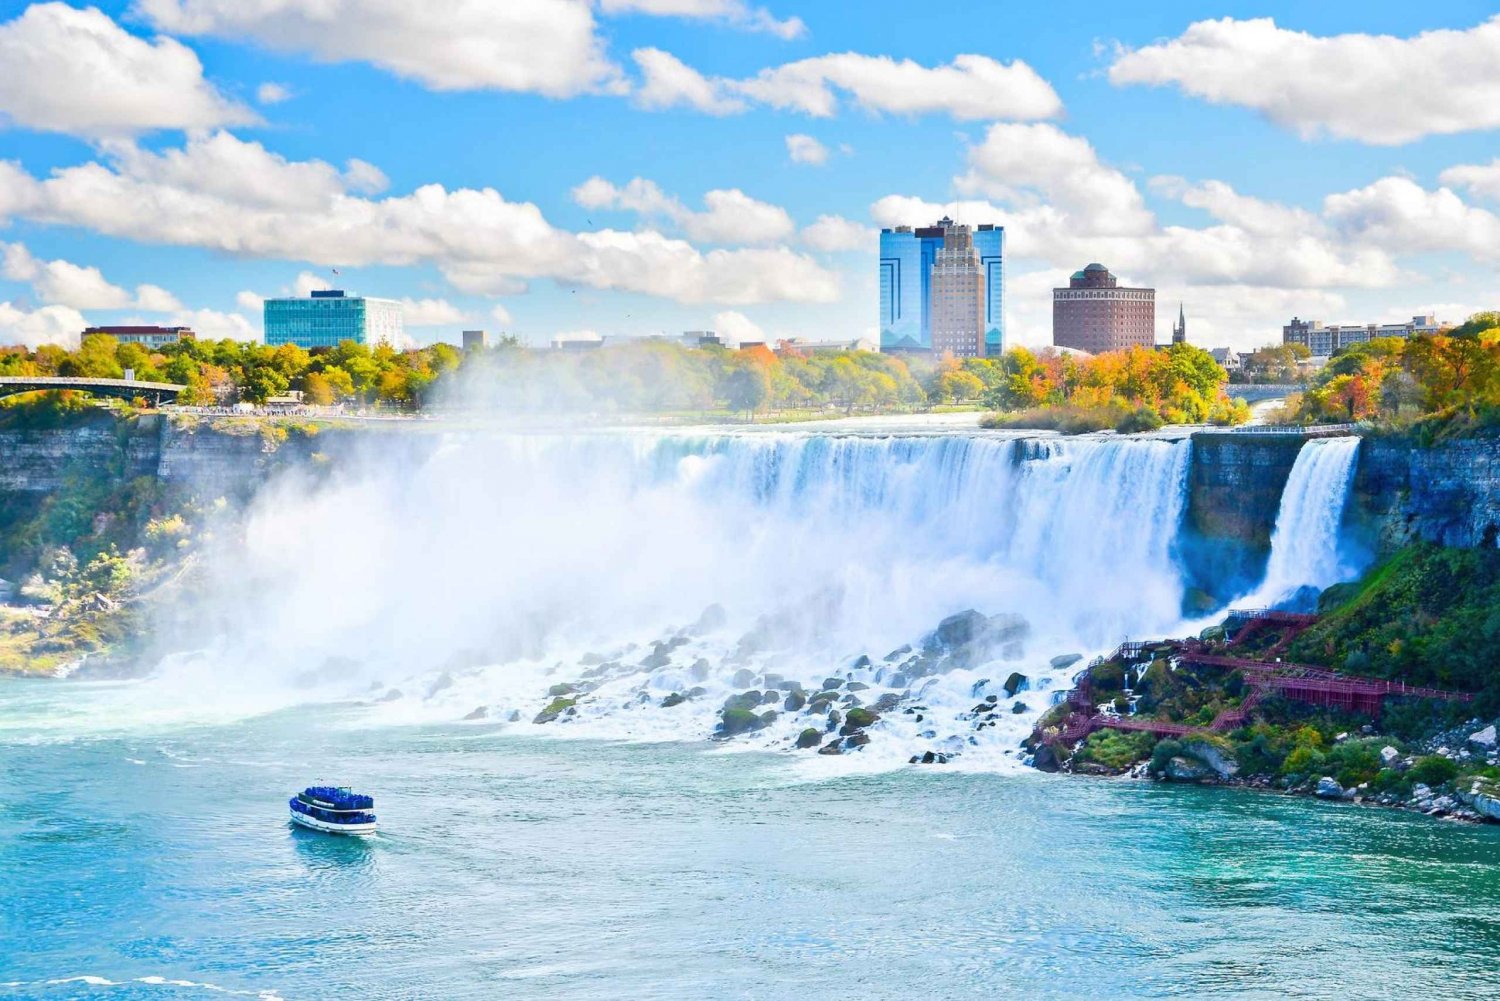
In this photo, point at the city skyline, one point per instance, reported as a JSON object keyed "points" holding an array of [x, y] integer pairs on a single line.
{"points": [[728, 166]]}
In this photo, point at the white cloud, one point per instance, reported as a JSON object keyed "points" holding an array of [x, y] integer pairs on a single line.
{"points": [[736, 327], [1481, 180], [835, 233], [729, 216], [732, 12], [252, 301], [271, 92], [1397, 212], [970, 87], [548, 47], [63, 283], [805, 149], [668, 82], [1378, 89], [47, 325], [223, 194], [431, 313], [212, 325], [501, 315], [76, 71]]}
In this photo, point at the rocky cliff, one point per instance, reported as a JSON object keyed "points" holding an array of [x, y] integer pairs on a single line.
{"points": [[1447, 493]]}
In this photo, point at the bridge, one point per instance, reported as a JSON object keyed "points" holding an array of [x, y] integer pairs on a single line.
{"points": [[1252, 393], [155, 393]]}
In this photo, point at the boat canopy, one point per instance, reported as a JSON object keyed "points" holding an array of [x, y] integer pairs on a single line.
{"points": [[338, 798]]}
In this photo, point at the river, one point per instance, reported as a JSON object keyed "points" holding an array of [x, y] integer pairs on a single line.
{"points": [[157, 862]]}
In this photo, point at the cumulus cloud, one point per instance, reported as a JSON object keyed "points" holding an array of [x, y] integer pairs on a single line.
{"points": [[736, 327], [548, 47], [1481, 180], [64, 283], [76, 71], [729, 216], [805, 149], [501, 315], [272, 93], [431, 313], [668, 82], [970, 87], [213, 325], [253, 301], [735, 13], [835, 233], [1378, 89], [221, 193], [1398, 212], [47, 325]]}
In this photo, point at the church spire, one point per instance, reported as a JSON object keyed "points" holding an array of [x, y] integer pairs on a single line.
{"points": [[1179, 330]]}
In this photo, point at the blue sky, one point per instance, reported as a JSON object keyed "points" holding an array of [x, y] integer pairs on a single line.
{"points": [[539, 166]]}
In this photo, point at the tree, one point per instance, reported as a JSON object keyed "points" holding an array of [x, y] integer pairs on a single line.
{"points": [[747, 387]]}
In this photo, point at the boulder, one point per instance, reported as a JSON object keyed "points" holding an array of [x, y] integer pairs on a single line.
{"points": [[857, 719], [862, 662], [832, 747], [515, 716], [794, 702], [445, 680], [1389, 757], [713, 619], [1018, 708], [479, 712], [1017, 682], [660, 656], [886, 703], [856, 740], [1065, 660], [742, 701], [738, 721], [1181, 769], [1224, 766], [829, 684], [743, 678], [1045, 759], [897, 654], [558, 691], [856, 686], [809, 737], [1484, 739], [1328, 789], [675, 699], [554, 709], [700, 669]]}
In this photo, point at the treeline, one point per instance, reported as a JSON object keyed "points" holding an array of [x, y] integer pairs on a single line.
{"points": [[1135, 390], [1180, 384], [1454, 376]]}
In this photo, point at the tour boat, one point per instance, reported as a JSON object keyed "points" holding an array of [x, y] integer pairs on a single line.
{"points": [[333, 810]]}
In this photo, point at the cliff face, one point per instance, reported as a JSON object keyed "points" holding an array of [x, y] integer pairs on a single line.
{"points": [[1447, 493]]}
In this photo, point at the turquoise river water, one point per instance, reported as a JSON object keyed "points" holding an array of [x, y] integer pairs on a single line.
{"points": [[156, 862]]}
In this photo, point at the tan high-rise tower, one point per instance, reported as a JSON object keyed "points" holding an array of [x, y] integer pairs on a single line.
{"points": [[956, 305]]}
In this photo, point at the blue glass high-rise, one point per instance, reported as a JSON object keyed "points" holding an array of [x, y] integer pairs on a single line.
{"points": [[328, 317], [906, 259]]}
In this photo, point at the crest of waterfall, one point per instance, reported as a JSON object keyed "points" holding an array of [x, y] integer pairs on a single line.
{"points": [[1305, 544]]}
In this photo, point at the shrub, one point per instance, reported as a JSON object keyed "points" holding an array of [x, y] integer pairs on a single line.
{"points": [[1164, 752], [1433, 770]]}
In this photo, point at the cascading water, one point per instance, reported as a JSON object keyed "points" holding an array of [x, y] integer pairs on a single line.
{"points": [[1305, 544], [506, 566]]}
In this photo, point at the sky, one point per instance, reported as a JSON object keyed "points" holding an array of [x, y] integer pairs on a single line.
{"points": [[635, 167]]}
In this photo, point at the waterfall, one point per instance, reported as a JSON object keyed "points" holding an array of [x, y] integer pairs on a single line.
{"points": [[1305, 544], [503, 565]]}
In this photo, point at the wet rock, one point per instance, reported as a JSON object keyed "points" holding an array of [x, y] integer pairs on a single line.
{"points": [[832, 747], [743, 678], [854, 740], [857, 719], [829, 684], [856, 686], [1328, 789], [444, 680], [1018, 709], [809, 737], [1484, 739], [744, 701], [1045, 759], [558, 691], [515, 716], [862, 662], [1221, 762], [700, 670], [554, 709], [590, 660], [897, 654], [675, 699], [1389, 757], [738, 721], [899, 680], [794, 702], [887, 702], [1065, 660], [1181, 769], [1017, 682], [834, 719], [660, 656], [478, 712], [771, 681]]}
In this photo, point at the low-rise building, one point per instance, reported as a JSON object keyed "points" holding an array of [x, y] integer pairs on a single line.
{"points": [[583, 340], [1324, 341], [475, 340], [803, 346], [150, 337], [1228, 358]]}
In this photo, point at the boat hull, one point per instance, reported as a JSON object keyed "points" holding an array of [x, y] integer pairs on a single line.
{"points": [[314, 824]]}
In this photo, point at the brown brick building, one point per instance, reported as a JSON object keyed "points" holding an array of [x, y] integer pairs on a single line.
{"points": [[1095, 314], [956, 305]]}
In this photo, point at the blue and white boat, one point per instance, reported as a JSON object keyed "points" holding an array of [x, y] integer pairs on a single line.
{"points": [[334, 810]]}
